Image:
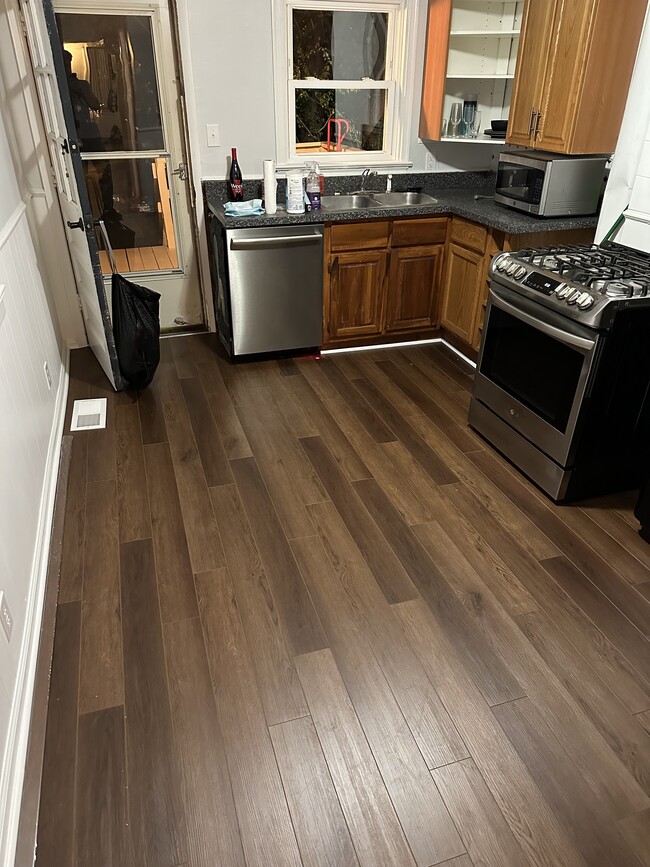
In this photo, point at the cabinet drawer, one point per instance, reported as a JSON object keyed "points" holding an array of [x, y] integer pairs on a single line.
{"points": [[363, 235], [469, 235], [415, 233]]}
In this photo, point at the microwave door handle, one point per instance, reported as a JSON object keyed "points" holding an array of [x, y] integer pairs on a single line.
{"points": [[540, 325]]}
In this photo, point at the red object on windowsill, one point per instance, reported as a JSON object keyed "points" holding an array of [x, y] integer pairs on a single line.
{"points": [[339, 123]]}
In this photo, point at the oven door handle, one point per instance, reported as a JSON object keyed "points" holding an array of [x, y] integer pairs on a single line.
{"points": [[540, 325]]}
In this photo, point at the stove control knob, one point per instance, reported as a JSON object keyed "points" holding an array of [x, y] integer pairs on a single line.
{"points": [[560, 289], [502, 264], [573, 296], [520, 273], [564, 290], [512, 268], [585, 301]]}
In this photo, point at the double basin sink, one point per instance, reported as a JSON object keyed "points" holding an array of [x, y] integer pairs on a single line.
{"points": [[368, 201]]}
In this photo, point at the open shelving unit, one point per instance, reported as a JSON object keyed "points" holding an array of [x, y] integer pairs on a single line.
{"points": [[471, 51]]}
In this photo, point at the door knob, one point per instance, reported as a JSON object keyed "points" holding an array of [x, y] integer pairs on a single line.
{"points": [[78, 225]]}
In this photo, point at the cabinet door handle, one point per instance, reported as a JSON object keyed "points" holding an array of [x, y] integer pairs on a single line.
{"points": [[539, 117], [531, 123]]}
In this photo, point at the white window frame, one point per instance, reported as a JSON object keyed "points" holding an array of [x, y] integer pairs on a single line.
{"points": [[399, 85]]}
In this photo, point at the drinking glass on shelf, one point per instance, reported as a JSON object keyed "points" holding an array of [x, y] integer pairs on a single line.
{"points": [[455, 116], [469, 110], [476, 124]]}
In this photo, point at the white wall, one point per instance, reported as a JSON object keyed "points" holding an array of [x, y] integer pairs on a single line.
{"points": [[29, 447], [229, 59]]}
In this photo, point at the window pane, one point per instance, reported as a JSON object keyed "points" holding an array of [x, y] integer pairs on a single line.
{"points": [[339, 120], [339, 45], [132, 197], [112, 81]]}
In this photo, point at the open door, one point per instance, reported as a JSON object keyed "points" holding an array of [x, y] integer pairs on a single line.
{"points": [[58, 117]]}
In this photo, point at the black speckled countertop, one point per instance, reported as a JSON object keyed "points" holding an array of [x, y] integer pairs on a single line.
{"points": [[454, 193]]}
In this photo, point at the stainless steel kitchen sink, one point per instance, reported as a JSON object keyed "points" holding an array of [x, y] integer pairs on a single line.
{"points": [[401, 200], [354, 202]]}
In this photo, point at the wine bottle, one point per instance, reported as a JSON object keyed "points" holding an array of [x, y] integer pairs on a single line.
{"points": [[236, 180]]}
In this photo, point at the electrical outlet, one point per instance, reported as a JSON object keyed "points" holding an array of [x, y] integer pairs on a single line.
{"points": [[212, 132], [48, 375], [430, 162], [6, 616]]}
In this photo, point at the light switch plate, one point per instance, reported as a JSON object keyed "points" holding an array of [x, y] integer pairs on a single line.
{"points": [[3, 308], [212, 131], [430, 162], [6, 617]]}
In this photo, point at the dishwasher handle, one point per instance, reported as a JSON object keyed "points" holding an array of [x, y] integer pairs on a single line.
{"points": [[274, 241]]}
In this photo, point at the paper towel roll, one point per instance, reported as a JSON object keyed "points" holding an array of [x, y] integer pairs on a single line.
{"points": [[270, 187]]}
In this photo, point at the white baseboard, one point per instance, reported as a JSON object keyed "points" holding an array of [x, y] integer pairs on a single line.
{"points": [[13, 768]]}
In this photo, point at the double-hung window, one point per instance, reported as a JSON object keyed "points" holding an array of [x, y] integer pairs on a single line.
{"points": [[340, 73]]}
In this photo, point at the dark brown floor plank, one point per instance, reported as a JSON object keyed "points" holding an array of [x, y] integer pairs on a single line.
{"points": [[411, 439], [454, 544], [206, 434], [343, 451], [102, 462], [365, 413], [599, 572], [56, 814], [383, 563], [101, 680], [613, 721], [289, 477], [460, 436], [492, 675], [415, 357], [434, 731], [562, 785], [277, 681], [299, 619], [173, 567], [75, 522], [373, 372], [606, 616], [157, 818], [190, 351], [312, 371], [212, 830], [102, 828], [538, 832], [288, 366], [439, 387], [421, 812], [481, 825], [636, 831], [374, 827], [203, 539], [163, 400], [643, 719], [133, 498], [447, 360], [322, 834], [265, 825], [619, 674], [232, 435], [390, 463]]}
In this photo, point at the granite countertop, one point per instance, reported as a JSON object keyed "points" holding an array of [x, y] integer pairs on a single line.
{"points": [[456, 199]]}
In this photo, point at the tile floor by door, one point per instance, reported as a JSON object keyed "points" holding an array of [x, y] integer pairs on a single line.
{"points": [[306, 616]]}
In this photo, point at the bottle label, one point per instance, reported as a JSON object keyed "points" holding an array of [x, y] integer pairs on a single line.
{"points": [[237, 190], [314, 199]]}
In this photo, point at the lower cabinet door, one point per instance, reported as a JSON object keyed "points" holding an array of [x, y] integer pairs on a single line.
{"points": [[462, 291], [414, 287], [357, 293]]}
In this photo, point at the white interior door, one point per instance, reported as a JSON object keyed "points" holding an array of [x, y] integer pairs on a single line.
{"points": [[126, 94], [47, 61]]}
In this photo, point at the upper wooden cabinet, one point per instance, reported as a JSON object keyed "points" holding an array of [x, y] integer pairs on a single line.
{"points": [[471, 50], [574, 67]]}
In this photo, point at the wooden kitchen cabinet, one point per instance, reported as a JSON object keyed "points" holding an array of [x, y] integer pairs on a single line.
{"points": [[356, 294], [462, 288], [573, 72], [413, 296]]}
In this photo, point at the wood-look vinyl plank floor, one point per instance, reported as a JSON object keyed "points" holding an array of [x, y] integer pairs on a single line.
{"points": [[306, 616]]}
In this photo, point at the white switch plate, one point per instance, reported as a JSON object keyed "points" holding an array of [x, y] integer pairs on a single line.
{"points": [[430, 162], [6, 617], [212, 131], [3, 308]]}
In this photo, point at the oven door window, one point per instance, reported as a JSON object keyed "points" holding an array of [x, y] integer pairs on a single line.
{"points": [[539, 371], [520, 182]]}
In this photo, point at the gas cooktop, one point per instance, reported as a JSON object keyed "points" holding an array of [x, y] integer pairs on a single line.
{"points": [[586, 283]]}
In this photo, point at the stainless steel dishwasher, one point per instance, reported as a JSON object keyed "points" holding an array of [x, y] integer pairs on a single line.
{"points": [[275, 277]]}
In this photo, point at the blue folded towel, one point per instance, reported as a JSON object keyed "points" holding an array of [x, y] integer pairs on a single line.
{"points": [[252, 208]]}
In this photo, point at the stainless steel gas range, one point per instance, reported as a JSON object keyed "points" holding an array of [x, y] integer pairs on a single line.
{"points": [[562, 385]]}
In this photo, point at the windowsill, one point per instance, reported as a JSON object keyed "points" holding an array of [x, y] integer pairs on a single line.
{"points": [[344, 168]]}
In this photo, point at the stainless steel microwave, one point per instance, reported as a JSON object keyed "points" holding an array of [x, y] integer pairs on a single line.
{"points": [[550, 185]]}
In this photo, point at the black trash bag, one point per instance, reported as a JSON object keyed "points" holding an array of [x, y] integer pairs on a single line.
{"points": [[136, 326]]}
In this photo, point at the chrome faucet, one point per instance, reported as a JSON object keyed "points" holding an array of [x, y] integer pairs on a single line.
{"points": [[366, 174]]}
